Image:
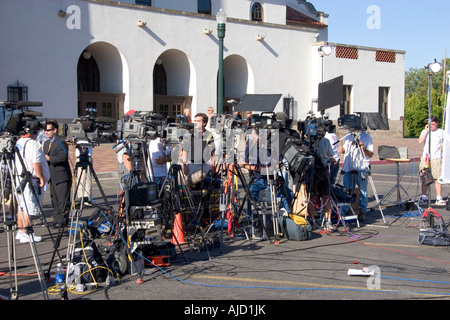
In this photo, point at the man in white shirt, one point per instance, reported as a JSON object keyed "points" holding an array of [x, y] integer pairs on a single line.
{"points": [[437, 139], [334, 167], [357, 149], [29, 200], [159, 157]]}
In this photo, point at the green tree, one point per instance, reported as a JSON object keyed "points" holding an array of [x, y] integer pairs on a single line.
{"points": [[416, 98]]}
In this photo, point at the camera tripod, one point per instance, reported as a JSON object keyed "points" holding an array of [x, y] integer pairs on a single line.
{"points": [[13, 189], [141, 210], [82, 171], [256, 204]]}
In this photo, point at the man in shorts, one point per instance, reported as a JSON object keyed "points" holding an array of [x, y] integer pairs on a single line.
{"points": [[28, 199], [437, 138]]}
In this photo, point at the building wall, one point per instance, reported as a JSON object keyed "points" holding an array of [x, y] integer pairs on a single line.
{"points": [[42, 50], [365, 75], [45, 55]]}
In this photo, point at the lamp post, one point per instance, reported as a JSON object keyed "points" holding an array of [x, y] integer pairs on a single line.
{"points": [[432, 68], [221, 21]]}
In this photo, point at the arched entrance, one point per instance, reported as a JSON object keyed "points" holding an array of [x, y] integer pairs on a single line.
{"points": [[172, 83], [101, 71], [238, 80]]}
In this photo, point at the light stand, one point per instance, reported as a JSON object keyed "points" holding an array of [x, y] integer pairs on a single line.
{"points": [[432, 68], [324, 51], [221, 21]]}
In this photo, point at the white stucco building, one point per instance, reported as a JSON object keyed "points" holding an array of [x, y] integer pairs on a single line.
{"points": [[162, 55]]}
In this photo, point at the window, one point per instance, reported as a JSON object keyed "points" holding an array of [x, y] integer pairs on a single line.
{"points": [[383, 99], [144, 2], [345, 107], [17, 92], [107, 109], [257, 12], [204, 6], [163, 109], [170, 111]]}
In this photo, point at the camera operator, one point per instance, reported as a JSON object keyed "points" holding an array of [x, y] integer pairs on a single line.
{"points": [[434, 158], [258, 172], [334, 166], [124, 160], [28, 203], [357, 149], [57, 156], [195, 162], [159, 157]]}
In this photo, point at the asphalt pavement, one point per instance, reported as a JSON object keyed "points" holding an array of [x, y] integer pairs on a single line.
{"points": [[246, 274]]}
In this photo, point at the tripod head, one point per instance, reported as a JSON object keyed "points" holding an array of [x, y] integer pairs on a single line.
{"points": [[83, 146], [8, 144]]}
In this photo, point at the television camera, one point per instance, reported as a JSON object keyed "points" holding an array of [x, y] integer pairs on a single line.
{"points": [[141, 125], [90, 128], [313, 127], [175, 130], [15, 116], [361, 121]]}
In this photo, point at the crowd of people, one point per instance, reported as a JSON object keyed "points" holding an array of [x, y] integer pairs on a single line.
{"points": [[46, 158]]}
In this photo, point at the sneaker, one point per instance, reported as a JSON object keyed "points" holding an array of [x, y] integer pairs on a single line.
{"points": [[19, 235], [440, 202], [328, 226], [87, 204], [26, 238]]}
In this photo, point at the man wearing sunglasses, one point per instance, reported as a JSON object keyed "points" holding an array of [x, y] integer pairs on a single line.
{"points": [[57, 155]]}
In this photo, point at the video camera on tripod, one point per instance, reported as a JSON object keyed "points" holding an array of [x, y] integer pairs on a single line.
{"points": [[176, 131], [15, 116], [141, 125], [363, 121], [314, 127], [89, 128]]}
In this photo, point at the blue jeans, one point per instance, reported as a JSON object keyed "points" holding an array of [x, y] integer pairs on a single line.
{"points": [[360, 179]]}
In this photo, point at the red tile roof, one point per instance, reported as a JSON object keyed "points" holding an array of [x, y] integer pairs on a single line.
{"points": [[295, 17]]}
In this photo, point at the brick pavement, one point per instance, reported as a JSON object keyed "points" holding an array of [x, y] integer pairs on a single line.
{"points": [[105, 159]]}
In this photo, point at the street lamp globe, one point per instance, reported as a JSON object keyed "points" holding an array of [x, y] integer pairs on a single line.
{"points": [[434, 67], [221, 17]]}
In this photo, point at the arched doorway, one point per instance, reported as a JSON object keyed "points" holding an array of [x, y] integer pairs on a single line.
{"points": [[238, 80], [100, 79], [172, 83]]}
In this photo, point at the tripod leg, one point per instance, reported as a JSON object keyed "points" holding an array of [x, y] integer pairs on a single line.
{"points": [[12, 263], [37, 264], [376, 197]]}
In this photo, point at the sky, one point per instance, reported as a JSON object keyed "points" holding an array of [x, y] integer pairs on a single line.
{"points": [[419, 27]]}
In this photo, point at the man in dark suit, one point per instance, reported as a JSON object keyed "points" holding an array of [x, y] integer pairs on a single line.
{"points": [[57, 155]]}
